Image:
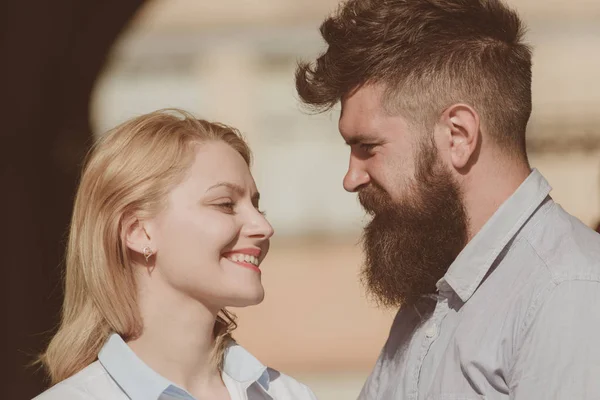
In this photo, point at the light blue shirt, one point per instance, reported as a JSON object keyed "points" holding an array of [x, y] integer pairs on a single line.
{"points": [[119, 374], [517, 315]]}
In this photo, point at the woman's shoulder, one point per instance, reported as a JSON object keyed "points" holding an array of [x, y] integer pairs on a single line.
{"points": [[285, 387], [91, 383]]}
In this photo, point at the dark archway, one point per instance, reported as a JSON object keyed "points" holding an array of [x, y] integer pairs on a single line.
{"points": [[51, 54]]}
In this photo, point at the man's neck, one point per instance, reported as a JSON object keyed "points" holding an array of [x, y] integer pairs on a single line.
{"points": [[488, 187]]}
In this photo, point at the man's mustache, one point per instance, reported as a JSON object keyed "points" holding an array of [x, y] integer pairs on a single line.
{"points": [[374, 199]]}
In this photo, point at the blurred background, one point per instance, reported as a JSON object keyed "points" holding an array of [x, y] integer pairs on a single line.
{"points": [[71, 70]]}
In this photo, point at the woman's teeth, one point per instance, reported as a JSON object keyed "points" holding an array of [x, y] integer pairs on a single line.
{"points": [[244, 258]]}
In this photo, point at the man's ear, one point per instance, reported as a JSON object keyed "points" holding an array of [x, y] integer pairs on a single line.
{"points": [[462, 126]]}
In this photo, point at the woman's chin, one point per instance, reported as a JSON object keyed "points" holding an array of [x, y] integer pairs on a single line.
{"points": [[247, 299]]}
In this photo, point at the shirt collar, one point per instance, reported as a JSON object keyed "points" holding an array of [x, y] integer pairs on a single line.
{"points": [[470, 267], [140, 382], [243, 367]]}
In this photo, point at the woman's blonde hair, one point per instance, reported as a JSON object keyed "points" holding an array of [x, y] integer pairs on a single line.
{"points": [[129, 171]]}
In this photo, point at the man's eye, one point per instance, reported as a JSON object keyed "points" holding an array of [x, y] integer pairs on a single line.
{"points": [[367, 146]]}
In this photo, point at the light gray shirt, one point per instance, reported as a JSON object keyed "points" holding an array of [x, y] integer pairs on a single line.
{"points": [[517, 315]]}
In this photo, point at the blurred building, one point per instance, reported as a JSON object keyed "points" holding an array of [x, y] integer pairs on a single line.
{"points": [[233, 61]]}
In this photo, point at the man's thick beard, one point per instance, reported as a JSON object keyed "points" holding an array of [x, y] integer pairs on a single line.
{"points": [[409, 244]]}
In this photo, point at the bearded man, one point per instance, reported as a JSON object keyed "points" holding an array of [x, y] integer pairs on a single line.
{"points": [[498, 288]]}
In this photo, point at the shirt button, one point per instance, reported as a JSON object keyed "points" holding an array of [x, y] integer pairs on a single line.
{"points": [[431, 331]]}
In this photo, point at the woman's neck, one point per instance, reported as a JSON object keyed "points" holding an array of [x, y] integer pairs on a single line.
{"points": [[177, 340]]}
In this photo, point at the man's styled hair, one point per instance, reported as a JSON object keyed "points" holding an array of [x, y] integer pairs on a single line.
{"points": [[428, 54]]}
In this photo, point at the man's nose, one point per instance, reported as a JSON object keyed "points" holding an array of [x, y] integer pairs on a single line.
{"points": [[356, 177]]}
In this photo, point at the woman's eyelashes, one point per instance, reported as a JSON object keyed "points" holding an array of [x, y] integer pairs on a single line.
{"points": [[230, 208], [227, 207]]}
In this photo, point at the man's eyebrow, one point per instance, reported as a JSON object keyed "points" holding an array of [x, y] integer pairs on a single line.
{"points": [[360, 138]]}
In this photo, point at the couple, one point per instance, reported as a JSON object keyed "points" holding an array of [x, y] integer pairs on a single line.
{"points": [[498, 288]]}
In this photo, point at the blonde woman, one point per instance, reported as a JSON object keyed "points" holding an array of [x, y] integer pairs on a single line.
{"points": [[166, 233]]}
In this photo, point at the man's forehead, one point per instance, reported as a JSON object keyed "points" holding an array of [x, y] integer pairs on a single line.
{"points": [[361, 112], [366, 99]]}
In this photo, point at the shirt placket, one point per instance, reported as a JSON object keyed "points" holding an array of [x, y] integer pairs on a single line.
{"points": [[428, 333], [175, 394], [256, 392]]}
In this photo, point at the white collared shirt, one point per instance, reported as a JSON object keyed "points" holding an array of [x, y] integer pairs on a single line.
{"points": [[119, 374]]}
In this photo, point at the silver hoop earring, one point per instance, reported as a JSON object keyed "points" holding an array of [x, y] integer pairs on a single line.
{"points": [[147, 253]]}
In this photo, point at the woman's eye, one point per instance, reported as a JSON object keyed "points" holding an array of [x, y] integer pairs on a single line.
{"points": [[227, 206]]}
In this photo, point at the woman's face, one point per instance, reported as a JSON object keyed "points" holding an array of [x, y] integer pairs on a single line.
{"points": [[210, 239]]}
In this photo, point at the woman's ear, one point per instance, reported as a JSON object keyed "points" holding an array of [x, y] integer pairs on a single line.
{"points": [[136, 236]]}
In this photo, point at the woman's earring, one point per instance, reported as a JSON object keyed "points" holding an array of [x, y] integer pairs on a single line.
{"points": [[147, 253]]}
